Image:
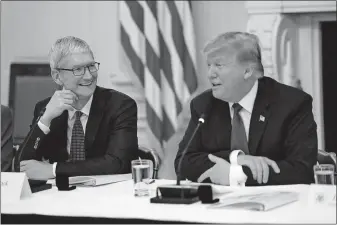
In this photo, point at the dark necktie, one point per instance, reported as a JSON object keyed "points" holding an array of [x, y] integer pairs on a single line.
{"points": [[238, 137], [77, 151]]}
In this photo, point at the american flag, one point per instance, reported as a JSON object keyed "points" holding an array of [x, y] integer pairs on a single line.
{"points": [[158, 40]]}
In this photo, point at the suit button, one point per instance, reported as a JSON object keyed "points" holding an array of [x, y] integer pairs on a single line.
{"points": [[36, 142]]}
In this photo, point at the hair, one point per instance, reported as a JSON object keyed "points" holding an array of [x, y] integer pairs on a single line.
{"points": [[66, 46], [245, 46]]}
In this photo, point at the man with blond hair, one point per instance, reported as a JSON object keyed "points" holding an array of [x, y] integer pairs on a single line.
{"points": [[257, 131], [83, 129]]}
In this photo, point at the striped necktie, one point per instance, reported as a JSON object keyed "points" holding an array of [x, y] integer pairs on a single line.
{"points": [[77, 150]]}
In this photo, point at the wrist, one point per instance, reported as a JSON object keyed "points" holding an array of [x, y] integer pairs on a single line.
{"points": [[45, 120], [239, 159]]}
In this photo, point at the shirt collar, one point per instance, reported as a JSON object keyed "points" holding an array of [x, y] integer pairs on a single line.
{"points": [[247, 102], [85, 110]]}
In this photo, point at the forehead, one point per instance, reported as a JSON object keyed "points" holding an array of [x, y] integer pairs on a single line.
{"points": [[220, 57], [76, 60]]}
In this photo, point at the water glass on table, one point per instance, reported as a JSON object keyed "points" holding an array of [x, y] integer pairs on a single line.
{"points": [[141, 174], [324, 174]]}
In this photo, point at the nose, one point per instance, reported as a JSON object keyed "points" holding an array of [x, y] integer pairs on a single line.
{"points": [[211, 72]]}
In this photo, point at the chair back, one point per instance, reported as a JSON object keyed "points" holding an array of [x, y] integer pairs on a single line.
{"points": [[150, 154], [30, 82]]}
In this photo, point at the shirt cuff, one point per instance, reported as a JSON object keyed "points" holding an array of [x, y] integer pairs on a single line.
{"points": [[43, 127], [233, 156], [236, 176], [54, 169]]}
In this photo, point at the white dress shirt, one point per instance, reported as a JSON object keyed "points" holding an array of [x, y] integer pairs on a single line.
{"points": [[236, 174], [71, 120]]}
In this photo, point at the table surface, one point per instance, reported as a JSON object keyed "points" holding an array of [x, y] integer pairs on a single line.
{"points": [[117, 201]]}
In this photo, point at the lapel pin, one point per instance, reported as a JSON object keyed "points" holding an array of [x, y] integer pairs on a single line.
{"points": [[261, 118]]}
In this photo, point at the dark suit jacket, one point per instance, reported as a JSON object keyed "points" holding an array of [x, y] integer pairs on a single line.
{"points": [[288, 134], [110, 139], [7, 151]]}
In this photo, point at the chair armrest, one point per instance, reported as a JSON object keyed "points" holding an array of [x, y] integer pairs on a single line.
{"points": [[155, 156]]}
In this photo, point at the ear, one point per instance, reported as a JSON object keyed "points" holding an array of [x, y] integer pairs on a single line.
{"points": [[249, 71], [55, 74]]}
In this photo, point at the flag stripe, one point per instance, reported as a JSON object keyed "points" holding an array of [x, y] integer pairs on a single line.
{"points": [[136, 63], [165, 64], [137, 13], [153, 94], [190, 4], [152, 62], [136, 36], [155, 123], [151, 28], [168, 130], [164, 20], [186, 18], [177, 32], [153, 7], [169, 101]]}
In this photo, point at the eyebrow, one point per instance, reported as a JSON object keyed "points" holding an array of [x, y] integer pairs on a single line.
{"points": [[219, 59], [83, 64]]}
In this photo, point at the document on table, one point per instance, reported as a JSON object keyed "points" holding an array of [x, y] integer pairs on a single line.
{"points": [[96, 180], [258, 201]]}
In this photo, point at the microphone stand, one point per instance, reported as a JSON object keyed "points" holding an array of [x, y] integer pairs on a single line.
{"points": [[35, 185], [200, 122], [179, 194]]}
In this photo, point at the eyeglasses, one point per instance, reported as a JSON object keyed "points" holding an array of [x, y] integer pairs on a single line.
{"points": [[80, 71]]}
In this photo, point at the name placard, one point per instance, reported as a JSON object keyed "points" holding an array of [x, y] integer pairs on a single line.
{"points": [[322, 194], [14, 186]]}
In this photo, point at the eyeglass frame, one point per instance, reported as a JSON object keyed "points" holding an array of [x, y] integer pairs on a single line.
{"points": [[85, 69]]}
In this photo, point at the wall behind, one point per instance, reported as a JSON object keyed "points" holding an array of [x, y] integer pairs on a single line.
{"points": [[28, 29], [212, 18]]}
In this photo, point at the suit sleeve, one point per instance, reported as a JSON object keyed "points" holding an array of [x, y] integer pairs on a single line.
{"points": [[7, 152], [122, 147], [300, 148], [29, 147], [195, 162]]}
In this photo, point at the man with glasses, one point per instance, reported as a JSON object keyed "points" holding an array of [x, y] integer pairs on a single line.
{"points": [[82, 129]]}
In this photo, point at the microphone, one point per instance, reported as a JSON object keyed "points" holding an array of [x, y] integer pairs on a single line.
{"points": [[35, 185], [179, 194]]}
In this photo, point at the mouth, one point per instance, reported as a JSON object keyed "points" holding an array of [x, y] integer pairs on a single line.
{"points": [[87, 83], [215, 85]]}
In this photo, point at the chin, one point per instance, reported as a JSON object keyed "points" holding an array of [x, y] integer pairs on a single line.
{"points": [[216, 93], [85, 93], [219, 95]]}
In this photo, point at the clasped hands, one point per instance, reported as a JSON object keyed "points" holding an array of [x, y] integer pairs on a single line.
{"points": [[257, 164]]}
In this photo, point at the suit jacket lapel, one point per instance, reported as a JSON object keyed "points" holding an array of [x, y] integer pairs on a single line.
{"points": [[222, 120], [260, 115], [95, 116]]}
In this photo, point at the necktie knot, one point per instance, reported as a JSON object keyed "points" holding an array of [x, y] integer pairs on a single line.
{"points": [[78, 114], [237, 107]]}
